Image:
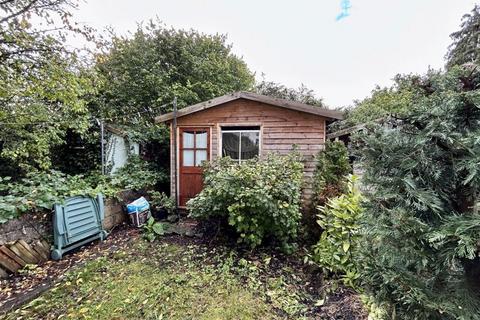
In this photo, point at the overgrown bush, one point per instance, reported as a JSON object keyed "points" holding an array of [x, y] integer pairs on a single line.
{"points": [[159, 200], [339, 219], [260, 198], [329, 180], [331, 172], [421, 225], [40, 190], [137, 174]]}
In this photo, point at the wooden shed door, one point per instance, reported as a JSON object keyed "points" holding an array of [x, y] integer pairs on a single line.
{"points": [[194, 149]]}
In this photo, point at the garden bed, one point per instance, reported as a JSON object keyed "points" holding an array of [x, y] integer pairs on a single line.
{"points": [[177, 278]]}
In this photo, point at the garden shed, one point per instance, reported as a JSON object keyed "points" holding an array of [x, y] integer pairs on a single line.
{"points": [[241, 125]]}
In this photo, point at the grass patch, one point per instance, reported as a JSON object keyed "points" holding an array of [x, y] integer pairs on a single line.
{"points": [[165, 281]]}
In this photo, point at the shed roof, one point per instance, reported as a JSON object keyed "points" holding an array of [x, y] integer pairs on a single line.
{"points": [[116, 130], [283, 103]]}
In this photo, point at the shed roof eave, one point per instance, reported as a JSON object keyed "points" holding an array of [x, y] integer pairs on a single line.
{"points": [[288, 104]]}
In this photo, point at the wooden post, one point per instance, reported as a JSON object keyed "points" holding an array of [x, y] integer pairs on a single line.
{"points": [[175, 175]]}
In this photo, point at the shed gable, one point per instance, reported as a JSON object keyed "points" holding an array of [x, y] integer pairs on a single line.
{"points": [[280, 130]]}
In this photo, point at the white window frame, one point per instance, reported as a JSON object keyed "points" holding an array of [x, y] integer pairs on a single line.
{"points": [[259, 131]]}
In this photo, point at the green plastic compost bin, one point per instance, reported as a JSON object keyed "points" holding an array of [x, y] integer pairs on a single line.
{"points": [[77, 222]]}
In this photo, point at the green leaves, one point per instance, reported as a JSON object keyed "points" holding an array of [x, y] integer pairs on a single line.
{"points": [[464, 48], [302, 94], [40, 190], [419, 245], [339, 220], [259, 198], [383, 102], [158, 229], [160, 200], [44, 88], [332, 168], [153, 229], [137, 174], [156, 64]]}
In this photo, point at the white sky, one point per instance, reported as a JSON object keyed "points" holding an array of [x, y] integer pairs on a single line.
{"points": [[296, 42]]}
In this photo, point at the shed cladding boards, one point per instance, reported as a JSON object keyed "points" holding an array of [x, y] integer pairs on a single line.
{"points": [[280, 129]]}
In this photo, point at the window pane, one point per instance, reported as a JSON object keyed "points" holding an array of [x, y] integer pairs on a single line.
{"points": [[188, 158], [230, 144], [201, 139], [188, 139], [201, 155], [250, 145]]}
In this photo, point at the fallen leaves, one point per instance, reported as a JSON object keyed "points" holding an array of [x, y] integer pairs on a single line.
{"points": [[32, 276]]}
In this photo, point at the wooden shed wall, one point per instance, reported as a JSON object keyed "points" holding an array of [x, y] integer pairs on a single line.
{"points": [[281, 128]]}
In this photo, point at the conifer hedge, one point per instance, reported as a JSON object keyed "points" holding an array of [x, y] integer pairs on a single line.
{"points": [[421, 225]]}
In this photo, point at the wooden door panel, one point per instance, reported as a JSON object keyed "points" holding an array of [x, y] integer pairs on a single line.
{"points": [[194, 148], [190, 184]]}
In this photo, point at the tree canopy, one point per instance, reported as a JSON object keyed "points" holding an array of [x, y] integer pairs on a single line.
{"points": [[144, 72], [277, 90], [384, 101], [407, 88], [43, 86]]}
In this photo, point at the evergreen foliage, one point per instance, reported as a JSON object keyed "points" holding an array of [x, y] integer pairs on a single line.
{"points": [[421, 226], [466, 41]]}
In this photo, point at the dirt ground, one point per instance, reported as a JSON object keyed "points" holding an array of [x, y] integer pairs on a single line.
{"points": [[281, 287]]}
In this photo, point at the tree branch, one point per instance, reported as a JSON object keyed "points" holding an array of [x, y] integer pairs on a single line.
{"points": [[19, 12]]}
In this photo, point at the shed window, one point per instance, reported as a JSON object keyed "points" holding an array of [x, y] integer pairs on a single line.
{"points": [[194, 147], [240, 143]]}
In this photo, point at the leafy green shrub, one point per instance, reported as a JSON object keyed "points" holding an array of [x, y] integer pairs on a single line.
{"points": [[137, 174], [339, 220], [160, 200], [153, 229], [332, 169], [260, 198], [329, 180], [40, 190], [421, 224]]}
